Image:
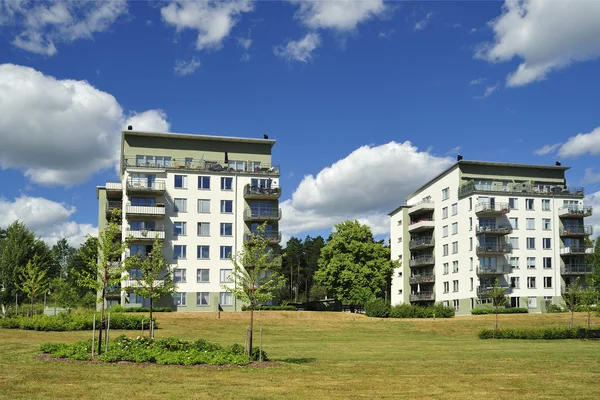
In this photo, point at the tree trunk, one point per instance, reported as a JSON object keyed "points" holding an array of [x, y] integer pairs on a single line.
{"points": [[102, 311], [152, 333], [291, 282], [32, 299]]}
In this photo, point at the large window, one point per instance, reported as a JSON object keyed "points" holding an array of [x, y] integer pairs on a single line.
{"points": [[142, 225], [237, 165], [445, 231], [547, 282], [530, 224], [547, 261], [203, 252], [181, 182], [545, 205], [529, 204], [546, 225], [202, 275], [203, 206], [179, 299], [531, 282], [203, 228], [445, 193], [142, 201], [224, 275], [454, 209], [455, 228], [226, 183], [180, 205], [226, 206], [226, 252], [226, 229], [226, 299], [179, 251], [546, 243], [152, 161], [261, 183], [444, 212], [204, 182], [179, 228], [530, 262], [454, 247], [203, 299], [179, 275]]}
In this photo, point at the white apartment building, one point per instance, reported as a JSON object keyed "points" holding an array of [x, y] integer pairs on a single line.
{"points": [[203, 197], [481, 221]]}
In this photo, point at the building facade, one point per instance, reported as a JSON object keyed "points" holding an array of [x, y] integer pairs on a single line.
{"points": [[203, 197], [481, 221]]}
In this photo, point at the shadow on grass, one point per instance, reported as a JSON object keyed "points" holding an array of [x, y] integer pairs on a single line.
{"points": [[298, 360]]}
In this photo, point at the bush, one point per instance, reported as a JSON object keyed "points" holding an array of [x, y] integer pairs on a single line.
{"points": [[73, 322], [378, 308], [412, 311], [530, 333], [487, 310], [555, 308], [121, 309], [270, 308]]}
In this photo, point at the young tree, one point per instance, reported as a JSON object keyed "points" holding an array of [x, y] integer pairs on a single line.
{"points": [[254, 277], [588, 297], [572, 298], [498, 296], [106, 270], [352, 266], [594, 260], [157, 276], [33, 279]]}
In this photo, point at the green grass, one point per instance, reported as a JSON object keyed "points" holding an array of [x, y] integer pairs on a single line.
{"points": [[328, 356]]}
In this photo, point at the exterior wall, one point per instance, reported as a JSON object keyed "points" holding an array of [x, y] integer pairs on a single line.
{"points": [[399, 235]]}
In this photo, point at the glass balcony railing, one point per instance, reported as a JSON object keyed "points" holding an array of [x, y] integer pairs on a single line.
{"points": [[192, 164], [584, 230], [521, 188]]}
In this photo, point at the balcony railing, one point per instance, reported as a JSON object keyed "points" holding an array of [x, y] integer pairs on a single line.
{"points": [[497, 270], [423, 260], [273, 237], [494, 249], [584, 230], [492, 208], [421, 243], [575, 211], [113, 205], [153, 211], [116, 186], [484, 291], [422, 296], [257, 192], [421, 278], [493, 229], [508, 188], [421, 207], [141, 254], [142, 185], [577, 269], [565, 251], [421, 225], [188, 164], [565, 289], [146, 234], [259, 214]]}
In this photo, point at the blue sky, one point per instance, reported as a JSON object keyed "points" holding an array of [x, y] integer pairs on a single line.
{"points": [[365, 99]]}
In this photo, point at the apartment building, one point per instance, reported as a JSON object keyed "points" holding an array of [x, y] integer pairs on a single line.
{"points": [[481, 221], [203, 197]]}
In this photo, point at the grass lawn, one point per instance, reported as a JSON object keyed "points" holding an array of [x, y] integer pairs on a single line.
{"points": [[326, 355]]}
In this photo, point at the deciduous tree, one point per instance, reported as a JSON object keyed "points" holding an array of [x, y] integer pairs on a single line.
{"points": [[572, 298], [33, 280], [499, 299]]}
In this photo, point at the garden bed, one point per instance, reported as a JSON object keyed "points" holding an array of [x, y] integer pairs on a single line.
{"points": [[75, 322]]}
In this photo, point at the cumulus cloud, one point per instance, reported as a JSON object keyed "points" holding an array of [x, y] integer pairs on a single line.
{"points": [[547, 149], [48, 219], [546, 35], [583, 143], [213, 20], [594, 201], [38, 26], [299, 50], [60, 132], [365, 185], [341, 15], [149, 121], [183, 67]]}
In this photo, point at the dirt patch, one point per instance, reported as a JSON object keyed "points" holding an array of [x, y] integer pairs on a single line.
{"points": [[256, 364]]}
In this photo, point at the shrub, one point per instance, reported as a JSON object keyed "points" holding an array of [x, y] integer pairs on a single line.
{"points": [[378, 308], [73, 322], [555, 308], [530, 333], [270, 308], [412, 311], [488, 310]]}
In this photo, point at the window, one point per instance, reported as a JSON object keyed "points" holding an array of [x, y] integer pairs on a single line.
{"points": [[203, 252], [179, 251], [454, 266], [224, 275], [514, 282], [202, 275], [445, 193], [204, 182], [179, 228], [513, 203], [226, 252], [135, 273], [180, 181], [203, 228], [445, 303], [531, 282], [529, 204], [226, 206], [455, 228], [514, 262], [470, 244], [180, 205], [471, 264], [142, 225], [546, 243], [455, 303], [454, 247], [454, 209], [226, 183], [446, 268], [445, 249], [530, 224], [446, 287], [530, 262], [226, 229], [531, 243], [226, 299], [514, 223], [143, 201], [261, 183], [547, 262], [470, 204], [546, 224], [237, 165], [470, 223], [445, 231], [514, 242], [203, 206], [203, 299], [545, 205], [179, 299], [455, 286], [179, 275], [547, 282], [532, 302], [471, 285], [444, 212]]}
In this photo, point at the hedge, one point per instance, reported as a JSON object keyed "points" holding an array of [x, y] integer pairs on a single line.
{"points": [[378, 308], [530, 333], [515, 310], [74, 322], [270, 308], [121, 309], [413, 311]]}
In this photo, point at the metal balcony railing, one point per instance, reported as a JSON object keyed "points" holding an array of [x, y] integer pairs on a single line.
{"points": [[493, 229], [565, 251], [261, 192], [145, 210], [142, 185], [584, 230], [422, 296], [494, 249], [262, 214], [423, 260], [274, 237], [189, 164], [484, 291], [421, 243], [497, 270], [147, 234], [421, 278], [491, 208], [423, 206], [577, 269], [575, 211], [509, 188]]}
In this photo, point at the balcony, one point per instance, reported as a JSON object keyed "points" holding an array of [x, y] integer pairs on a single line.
{"points": [[272, 237], [196, 165], [260, 193], [143, 186], [493, 249], [262, 214], [421, 225], [519, 189], [576, 231], [576, 251], [145, 211], [422, 296], [484, 291], [422, 207], [577, 269], [574, 211], [497, 230], [421, 278], [491, 209], [114, 190], [484, 270], [421, 243], [146, 234], [113, 205], [421, 261]]}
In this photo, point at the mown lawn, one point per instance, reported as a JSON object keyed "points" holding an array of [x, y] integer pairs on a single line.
{"points": [[326, 355]]}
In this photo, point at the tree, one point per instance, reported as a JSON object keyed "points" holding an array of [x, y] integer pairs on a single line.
{"points": [[157, 276], [588, 298], [254, 276], [572, 298], [292, 259], [33, 279], [312, 252], [105, 271], [352, 266], [594, 260], [63, 255], [88, 250], [499, 299]]}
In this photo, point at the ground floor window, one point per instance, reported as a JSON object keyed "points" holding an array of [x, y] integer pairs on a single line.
{"points": [[202, 299], [532, 302], [455, 304], [226, 299], [179, 299], [515, 302]]}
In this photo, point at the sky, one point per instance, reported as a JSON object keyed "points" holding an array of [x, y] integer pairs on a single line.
{"points": [[367, 100]]}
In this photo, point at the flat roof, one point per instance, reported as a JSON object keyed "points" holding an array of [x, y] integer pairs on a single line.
{"points": [[397, 209], [199, 137]]}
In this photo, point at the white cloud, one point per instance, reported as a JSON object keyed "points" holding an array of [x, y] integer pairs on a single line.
{"points": [[594, 201], [591, 176], [48, 219], [477, 81], [583, 143], [457, 25], [183, 67], [547, 35], [213, 20], [453, 151], [340, 15], [149, 121], [245, 43], [60, 132], [488, 91], [39, 26], [300, 50], [547, 149], [422, 23], [365, 185], [385, 34]]}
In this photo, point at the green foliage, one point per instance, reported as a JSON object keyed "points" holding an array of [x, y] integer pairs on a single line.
{"points": [[300, 261], [317, 292], [64, 294], [73, 322], [555, 308], [270, 308], [530, 333], [353, 267], [484, 311], [121, 309], [413, 311], [378, 308], [33, 279]]}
